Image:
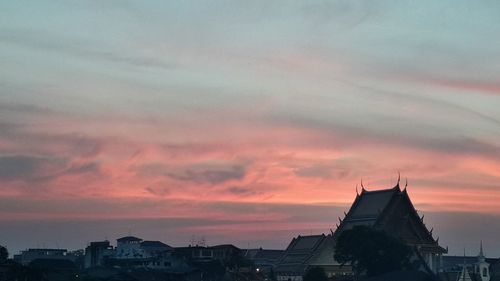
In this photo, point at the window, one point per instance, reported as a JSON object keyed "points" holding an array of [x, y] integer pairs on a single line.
{"points": [[485, 272]]}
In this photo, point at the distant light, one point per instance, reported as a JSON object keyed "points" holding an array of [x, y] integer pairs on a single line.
{"points": [[258, 270]]}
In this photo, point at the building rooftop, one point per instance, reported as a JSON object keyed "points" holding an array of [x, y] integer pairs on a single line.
{"points": [[372, 203], [298, 252], [156, 244], [128, 239]]}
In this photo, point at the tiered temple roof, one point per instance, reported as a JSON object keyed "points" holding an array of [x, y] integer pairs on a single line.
{"points": [[390, 210]]}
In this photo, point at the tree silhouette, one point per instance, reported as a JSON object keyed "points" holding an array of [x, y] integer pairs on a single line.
{"points": [[315, 274], [371, 251]]}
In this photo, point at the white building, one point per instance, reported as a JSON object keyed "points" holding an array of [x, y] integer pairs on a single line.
{"points": [[128, 247]]}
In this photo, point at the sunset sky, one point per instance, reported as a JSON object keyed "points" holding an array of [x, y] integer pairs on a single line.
{"points": [[246, 122]]}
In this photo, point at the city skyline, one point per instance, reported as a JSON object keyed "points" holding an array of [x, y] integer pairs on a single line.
{"points": [[246, 123]]}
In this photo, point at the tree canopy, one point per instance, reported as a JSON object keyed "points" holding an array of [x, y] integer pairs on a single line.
{"points": [[371, 251], [315, 274]]}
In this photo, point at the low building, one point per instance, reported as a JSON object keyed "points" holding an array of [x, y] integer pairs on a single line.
{"points": [[263, 259], [202, 253], [29, 255], [133, 252]]}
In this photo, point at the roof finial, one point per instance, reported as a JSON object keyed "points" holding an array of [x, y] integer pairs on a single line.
{"points": [[362, 186], [399, 178], [406, 183], [357, 193]]}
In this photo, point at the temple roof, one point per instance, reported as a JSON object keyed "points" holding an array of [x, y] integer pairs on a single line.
{"points": [[298, 252], [390, 210], [372, 203], [367, 208]]}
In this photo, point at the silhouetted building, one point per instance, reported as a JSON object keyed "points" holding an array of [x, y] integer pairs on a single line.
{"points": [[494, 269], [133, 252], [263, 259], [410, 275], [388, 210], [97, 253], [466, 267], [128, 247], [153, 248], [27, 256], [202, 253]]}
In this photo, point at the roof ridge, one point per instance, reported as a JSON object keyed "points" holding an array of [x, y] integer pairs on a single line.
{"points": [[392, 189]]}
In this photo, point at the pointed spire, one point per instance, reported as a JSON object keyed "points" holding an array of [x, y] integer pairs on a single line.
{"points": [[481, 253]]}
